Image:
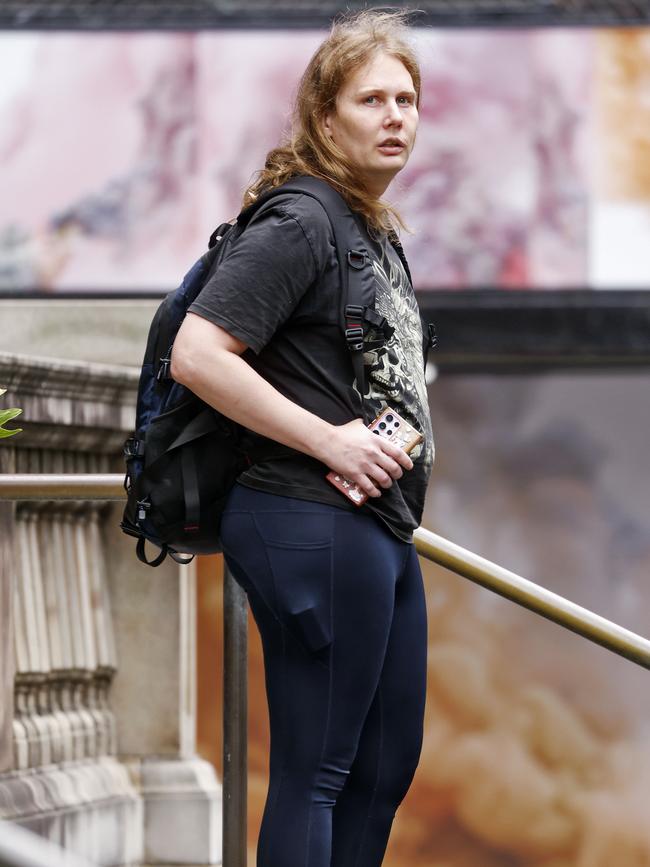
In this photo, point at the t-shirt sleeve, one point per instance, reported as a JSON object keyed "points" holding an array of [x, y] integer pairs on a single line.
{"points": [[261, 279]]}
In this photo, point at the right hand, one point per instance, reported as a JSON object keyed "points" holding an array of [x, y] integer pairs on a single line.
{"points": [[363, 457]]}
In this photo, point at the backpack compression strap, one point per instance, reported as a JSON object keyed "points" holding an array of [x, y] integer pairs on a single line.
{"points": [[164, 552], [357, 275]]}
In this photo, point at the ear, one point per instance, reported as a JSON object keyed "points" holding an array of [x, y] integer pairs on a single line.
{"points": [[326, 125]]}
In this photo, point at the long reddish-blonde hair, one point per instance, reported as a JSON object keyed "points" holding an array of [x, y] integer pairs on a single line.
{"points": [[353, 41]]}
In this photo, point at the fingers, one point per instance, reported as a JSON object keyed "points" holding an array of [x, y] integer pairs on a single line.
{"points": [[372, 479], [379, 476], [366, 485], [367, 459], [385, 449], [393, 461], [398, 455]]}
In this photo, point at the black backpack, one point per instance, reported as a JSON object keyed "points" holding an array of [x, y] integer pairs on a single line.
{"points": [[185, 456]]}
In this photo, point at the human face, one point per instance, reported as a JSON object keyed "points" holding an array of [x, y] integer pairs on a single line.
{"points": [[375, 120]]}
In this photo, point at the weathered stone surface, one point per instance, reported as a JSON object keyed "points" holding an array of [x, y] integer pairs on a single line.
{"points": [[91, 809], [6, 637], [146, 617], [111, 332], [182, 799], [97, 651], [70, 405]]}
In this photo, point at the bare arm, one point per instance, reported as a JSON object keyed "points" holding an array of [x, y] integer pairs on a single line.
{"points": [[206, 359]]}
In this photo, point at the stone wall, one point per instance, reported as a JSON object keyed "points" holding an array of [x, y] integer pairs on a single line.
{"points": [[97, 668], [6, 634]]}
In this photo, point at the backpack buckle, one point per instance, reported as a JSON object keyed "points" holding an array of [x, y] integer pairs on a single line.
{"points": [[355, 311], [163, 370], [354, 338], [380, 323], [133, 448], [143, 508], [357, 259], [218, 234]]}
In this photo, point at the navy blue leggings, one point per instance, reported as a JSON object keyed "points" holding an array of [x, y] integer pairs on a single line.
{"points": [[340, 606]]}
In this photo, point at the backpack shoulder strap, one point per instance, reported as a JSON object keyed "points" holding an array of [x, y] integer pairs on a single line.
{"points": [[357, 275], [397, 246]]}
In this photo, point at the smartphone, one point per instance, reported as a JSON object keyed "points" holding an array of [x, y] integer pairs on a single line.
{"points": [[390, 425]]}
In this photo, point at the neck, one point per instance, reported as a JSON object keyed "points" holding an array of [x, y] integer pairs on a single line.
{"points": [[377, 186]]}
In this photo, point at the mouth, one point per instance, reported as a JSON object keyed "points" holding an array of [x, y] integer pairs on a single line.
{"points": [[391, 146]]}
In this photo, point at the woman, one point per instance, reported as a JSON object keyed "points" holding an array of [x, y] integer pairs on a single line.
{"points": [[336, 591]]}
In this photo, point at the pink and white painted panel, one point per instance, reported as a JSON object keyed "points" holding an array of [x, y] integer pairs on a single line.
{"points": [[121, 152]]}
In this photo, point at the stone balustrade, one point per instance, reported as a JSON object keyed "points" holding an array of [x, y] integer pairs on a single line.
{"points": [[97, 659]]}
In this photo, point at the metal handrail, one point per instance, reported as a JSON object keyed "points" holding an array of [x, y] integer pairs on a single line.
{"points": [[544, 602], [62, 486], [552, 606], [235, 710]]}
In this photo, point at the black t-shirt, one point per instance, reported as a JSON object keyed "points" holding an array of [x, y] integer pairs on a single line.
{"points": [[277, 289]]}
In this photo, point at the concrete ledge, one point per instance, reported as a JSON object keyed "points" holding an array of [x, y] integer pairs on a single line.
{"points": [[88, 808], [182, 812]]}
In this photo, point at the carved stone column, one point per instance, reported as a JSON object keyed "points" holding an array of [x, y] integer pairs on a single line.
{"points": [[6, 626], [97, 659], [155, 621]]}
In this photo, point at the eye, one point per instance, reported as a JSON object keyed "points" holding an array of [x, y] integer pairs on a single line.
{"points": [[371, 100], [405, 100]]}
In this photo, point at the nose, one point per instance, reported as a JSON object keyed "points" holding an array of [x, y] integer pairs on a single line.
{"points": [[393, 114]]}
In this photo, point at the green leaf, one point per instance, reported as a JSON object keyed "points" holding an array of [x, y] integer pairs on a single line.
{"points": [[5, 416]]}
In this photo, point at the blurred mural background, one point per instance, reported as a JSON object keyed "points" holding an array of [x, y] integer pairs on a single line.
{"points": [[537, 744], [120, 152]]}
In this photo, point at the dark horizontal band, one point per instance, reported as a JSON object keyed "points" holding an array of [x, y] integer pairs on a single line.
{"points": [[292, 14], [515, 330]]}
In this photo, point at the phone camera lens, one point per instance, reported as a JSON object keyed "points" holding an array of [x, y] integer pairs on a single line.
{"points": [[376, 431], [382, 425], [396, 423], [389, 418], [389, 433]]}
